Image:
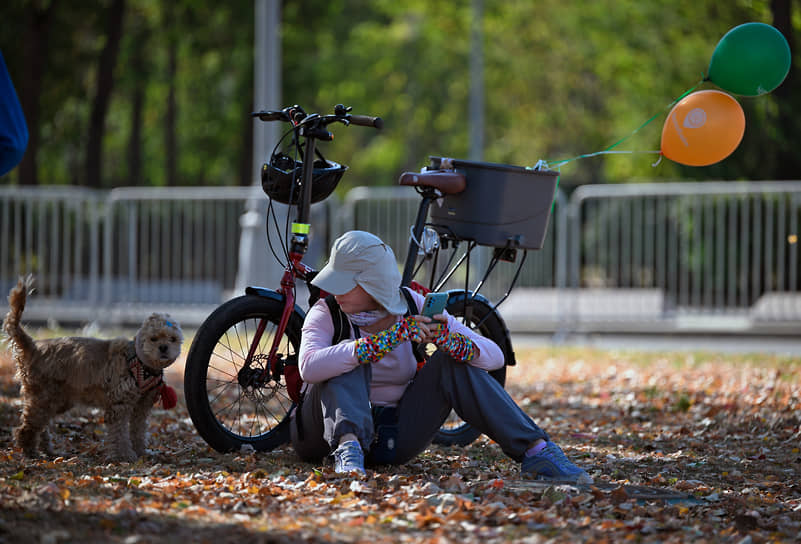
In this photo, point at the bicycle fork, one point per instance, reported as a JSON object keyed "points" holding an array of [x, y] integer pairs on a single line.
{"points": [[274, 368]]}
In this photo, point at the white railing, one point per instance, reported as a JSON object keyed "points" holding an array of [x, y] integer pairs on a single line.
{"points": [[656, 257], [703, 255]]}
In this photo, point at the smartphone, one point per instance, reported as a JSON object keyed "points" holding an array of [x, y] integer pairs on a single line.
{"points": [[434, 304]]}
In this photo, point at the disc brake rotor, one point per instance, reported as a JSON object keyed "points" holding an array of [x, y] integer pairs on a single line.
{"points": [[254, 387]]}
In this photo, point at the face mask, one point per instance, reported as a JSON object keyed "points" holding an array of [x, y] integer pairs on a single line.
{"points": [[365, 319]]}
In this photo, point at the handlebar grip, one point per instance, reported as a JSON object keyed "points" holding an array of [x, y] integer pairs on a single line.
{"points": [[367, 121], [270, 115]]}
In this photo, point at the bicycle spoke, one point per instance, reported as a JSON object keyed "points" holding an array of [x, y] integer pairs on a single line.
{"points": [[238, 336], [227, 345], [252, 412], [229, 357], [224, 389], [256, 417], [239, 410], [221, 371], [224, 409], [267, 409]]}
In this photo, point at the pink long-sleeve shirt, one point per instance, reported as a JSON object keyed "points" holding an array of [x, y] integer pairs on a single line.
{"points": [[320, 361]]}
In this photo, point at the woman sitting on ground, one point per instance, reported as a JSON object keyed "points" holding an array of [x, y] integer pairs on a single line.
{"points": [[365, 395]]}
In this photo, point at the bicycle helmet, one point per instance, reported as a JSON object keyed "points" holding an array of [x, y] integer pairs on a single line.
{"points": [[281, 177]]}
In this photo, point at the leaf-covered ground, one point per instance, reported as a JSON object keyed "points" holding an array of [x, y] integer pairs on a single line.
{"points": [[721, 431]]}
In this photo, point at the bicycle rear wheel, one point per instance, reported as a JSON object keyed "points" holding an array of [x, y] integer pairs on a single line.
{"points": [[230, 404], [477, 314]]}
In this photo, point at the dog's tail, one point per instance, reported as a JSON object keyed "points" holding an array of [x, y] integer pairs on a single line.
{"points": [[20, 339]]}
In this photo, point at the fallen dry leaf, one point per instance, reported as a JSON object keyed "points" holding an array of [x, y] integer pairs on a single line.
{"points": [[717, 435]]}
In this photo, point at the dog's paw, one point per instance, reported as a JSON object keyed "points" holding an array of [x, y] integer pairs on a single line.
{"points": [[34, 454], [124, 457]]}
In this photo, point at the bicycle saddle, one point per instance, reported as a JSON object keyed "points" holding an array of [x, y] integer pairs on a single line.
{"points": [[447, 182]]}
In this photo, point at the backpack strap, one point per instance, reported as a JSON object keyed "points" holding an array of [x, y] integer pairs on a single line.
{"points": [[411, 304], [341, 323], [314, 291]]}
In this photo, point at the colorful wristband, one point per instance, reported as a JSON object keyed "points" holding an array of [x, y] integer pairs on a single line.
{"points": [[458, 346], [371, 349]]}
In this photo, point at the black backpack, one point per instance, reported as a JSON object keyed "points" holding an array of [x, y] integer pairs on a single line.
{"points": [[342, 325]]}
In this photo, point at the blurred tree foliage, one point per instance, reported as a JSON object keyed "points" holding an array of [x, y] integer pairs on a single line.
{"points": [[562, 78]]}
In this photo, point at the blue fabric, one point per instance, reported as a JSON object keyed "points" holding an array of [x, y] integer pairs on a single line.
{"points": [[13, 130]]}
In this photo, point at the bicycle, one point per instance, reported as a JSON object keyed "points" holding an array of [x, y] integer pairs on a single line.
{"points": [[241, 378]]}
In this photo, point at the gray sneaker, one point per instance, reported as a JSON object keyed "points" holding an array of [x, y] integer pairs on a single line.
{"points": [[550, 463], [349, 457]]}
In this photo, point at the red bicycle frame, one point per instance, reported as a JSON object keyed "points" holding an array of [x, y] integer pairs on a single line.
{"points": [[312, 128]]}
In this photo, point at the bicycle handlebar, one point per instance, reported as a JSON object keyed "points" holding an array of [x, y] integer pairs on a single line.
{"points": [[311, 127], [296, 115], [367, 121], [271, 115]]}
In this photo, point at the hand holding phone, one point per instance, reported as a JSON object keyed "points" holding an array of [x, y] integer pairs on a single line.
{"points": [[434, 304]]}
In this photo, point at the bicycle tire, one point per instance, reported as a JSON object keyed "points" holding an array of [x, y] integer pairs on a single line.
{"points": [[226, 414], [455, 431]]}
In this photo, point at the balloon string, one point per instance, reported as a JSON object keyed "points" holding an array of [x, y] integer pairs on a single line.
{"points": [[609, 149], [558, 164]]}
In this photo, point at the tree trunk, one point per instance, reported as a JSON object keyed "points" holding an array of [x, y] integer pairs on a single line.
{"points": [[787, 98], [105, 84], [246, 157], [140, 78], [135, 138], [170, 138], [35, 53], [782, 20]]}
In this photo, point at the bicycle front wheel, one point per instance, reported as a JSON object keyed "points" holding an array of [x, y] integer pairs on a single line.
{"points": [[232, 403], [477, 314]]}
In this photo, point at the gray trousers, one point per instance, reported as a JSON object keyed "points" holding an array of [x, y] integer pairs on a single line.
{"points": [[341, 405]]}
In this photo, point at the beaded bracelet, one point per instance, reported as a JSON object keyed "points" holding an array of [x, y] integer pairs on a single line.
{"points": [[370, 349], [458, 346]]}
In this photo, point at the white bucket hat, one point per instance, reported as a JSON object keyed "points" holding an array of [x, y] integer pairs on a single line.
{"points": [[361, 258]]}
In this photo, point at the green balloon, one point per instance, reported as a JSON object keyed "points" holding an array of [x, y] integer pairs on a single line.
{"points": [[750, 60]]}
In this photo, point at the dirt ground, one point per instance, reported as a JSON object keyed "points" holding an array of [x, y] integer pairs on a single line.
{"points": [[699, 447]]}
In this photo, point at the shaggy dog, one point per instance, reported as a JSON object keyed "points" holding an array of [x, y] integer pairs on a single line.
{"points": [[122, 376]]}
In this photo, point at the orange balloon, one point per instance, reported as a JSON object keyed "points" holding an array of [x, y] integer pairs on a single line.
{"points": [[705, 127]]}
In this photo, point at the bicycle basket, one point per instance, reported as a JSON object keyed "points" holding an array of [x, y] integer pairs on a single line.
{"points": [[281, 178], [501, 205]]}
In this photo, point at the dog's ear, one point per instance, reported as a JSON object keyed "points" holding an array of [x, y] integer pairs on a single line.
{"points": [[138, 340], [152, 317]]}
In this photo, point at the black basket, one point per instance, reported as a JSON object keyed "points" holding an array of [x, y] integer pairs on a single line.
{"points": [[281, 178], [502, 205]]}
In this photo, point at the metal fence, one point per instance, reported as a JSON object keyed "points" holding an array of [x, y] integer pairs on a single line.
{"points": [[56, 234], [656, 257], [718, 255], [111, 256]]}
